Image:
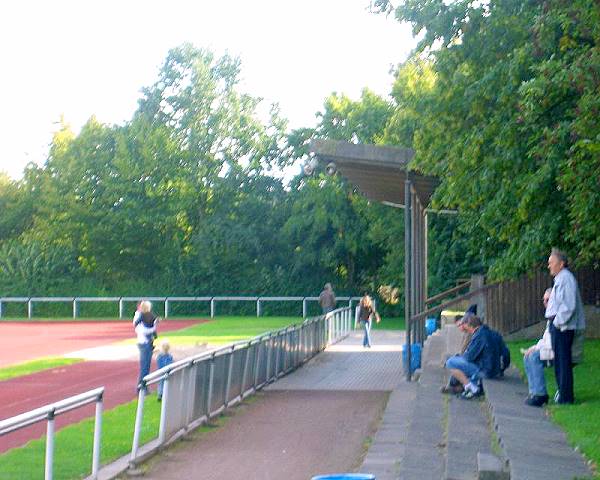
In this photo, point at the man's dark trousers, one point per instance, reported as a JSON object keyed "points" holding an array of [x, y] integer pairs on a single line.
{"points": [[563, 366]]}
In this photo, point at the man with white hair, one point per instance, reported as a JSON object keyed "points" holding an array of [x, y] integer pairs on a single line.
{"points": [[565, 313]]}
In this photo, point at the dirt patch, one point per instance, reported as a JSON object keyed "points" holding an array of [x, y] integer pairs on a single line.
{"points": [[291, 435]]}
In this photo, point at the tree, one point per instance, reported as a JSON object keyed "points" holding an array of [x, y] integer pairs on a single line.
{"points": [[501, 125]]}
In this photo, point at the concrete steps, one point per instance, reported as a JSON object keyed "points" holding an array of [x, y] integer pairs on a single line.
{"points": [[425, 435], [535, 447]]}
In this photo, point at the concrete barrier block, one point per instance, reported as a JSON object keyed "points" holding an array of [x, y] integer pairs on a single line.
{"points": [[490, 467]]}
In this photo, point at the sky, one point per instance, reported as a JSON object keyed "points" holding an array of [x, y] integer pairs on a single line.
{"points": [[82, 58]]}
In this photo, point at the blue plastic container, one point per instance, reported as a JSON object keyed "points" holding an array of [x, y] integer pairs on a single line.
{"points": [[346, 476], [415, 356], [430, 325]]}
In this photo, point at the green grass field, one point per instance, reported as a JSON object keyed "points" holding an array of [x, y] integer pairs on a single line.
{"points": [[35, 366], [390, 323], [73, 444], [224, 330], [580, 421]]}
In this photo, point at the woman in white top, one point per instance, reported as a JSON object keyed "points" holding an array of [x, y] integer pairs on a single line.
{"points": [[145, 323]]}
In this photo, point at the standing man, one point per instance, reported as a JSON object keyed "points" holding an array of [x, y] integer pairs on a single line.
{"points": [[327, 299], [565, 315]]}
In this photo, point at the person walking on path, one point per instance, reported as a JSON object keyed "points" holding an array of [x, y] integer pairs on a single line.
{"points": [[565, 314], [144, 324], [327, 299], [163, 359], [535, 358], [366, 313]]}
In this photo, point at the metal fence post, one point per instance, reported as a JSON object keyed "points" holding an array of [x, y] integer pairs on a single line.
{"points": [[304, 308], [245, 370], [48, 471], [97, 437], [139, 415], [0, 309], [278, 348], [269, 355], [121, 308], [166, 308], [212, 308], [162, 431], [29, 308], [258, 307], [229, 372], [211, 378], [257, 362], [191, 397]]}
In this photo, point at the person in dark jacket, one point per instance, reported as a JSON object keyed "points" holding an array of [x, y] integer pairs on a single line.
{"points": [[480, 360], [327, 299], [163, 359]]}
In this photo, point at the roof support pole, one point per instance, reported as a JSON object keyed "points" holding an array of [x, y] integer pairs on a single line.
{"points": [[407, 272]]}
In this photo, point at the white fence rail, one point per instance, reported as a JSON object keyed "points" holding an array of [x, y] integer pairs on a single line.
{"points": [[166, 301], [48, 413]]}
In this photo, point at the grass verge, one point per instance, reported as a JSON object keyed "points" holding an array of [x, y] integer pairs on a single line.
{"points": [[35, 366], [390, 323], [224, 330], [73, 444], [580, 421]]}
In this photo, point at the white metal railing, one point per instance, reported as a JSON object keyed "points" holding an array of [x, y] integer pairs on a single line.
{"points": [[49, 412], [167, 302], [199, 387]]}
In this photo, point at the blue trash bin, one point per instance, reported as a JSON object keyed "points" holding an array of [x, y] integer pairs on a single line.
{"points": [[430, 325], [345, 476], [415, 356]]}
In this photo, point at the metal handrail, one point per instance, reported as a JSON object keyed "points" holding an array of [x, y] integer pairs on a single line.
{"points": [[161, 373], [29, 301], [49, 412], [449, 303], [448, 292]]}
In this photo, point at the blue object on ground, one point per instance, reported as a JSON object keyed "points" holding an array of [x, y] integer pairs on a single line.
{"points": [[345, 476], [430, 325], [415, 356]]}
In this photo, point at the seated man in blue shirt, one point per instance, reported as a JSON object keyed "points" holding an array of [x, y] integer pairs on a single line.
{"points": [[481, 358]]}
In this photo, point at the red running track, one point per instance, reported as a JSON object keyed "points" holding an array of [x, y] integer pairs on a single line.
{"points": [[34, 340], [24, 341]]}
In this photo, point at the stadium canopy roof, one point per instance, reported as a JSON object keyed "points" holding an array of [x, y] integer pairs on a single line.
{"points": [[379, 172]]}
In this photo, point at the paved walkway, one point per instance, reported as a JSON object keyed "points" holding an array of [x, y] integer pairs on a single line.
{"points": [[349, 366]]}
